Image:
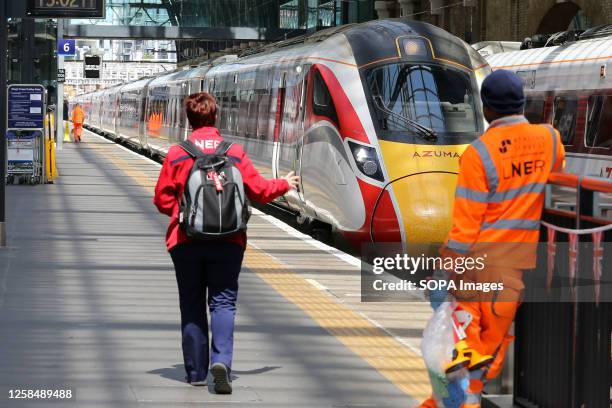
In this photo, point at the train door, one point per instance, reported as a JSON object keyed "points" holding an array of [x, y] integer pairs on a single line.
{"points": [[182, 112], [117, 112], [278, 122], [299, 144]]}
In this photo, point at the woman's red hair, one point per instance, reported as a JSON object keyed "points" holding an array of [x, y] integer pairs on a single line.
{"points": [[201, 110]]}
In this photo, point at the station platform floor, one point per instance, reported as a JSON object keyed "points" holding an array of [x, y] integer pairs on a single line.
{"points": [[88, 302]]}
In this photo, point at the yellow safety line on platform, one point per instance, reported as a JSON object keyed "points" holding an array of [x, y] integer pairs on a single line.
{"points": [[140, 177], [393, 360], [401, 366]]}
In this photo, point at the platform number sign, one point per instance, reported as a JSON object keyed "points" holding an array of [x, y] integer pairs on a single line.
{"points": [[66, 48], [66, 8]]}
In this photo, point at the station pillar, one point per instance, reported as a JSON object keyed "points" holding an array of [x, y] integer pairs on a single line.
{"points": [[385, 9], [407, 7]]}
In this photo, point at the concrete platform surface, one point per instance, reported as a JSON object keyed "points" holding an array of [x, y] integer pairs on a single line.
{"points": [[88, 302]]}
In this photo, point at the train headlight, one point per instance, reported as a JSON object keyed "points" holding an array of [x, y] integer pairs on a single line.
{"points": [[366, 160], [415, 47]]}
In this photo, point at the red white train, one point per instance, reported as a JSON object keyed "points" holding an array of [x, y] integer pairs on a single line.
{"points": [[373, 117]]}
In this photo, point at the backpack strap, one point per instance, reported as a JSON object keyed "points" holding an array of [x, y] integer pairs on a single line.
{"points": [[191, 149], [223, 147]]}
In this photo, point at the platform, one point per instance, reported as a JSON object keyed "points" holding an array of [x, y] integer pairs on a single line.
{"points": [[88, 301]]}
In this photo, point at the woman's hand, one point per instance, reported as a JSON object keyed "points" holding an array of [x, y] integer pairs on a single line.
{"points": [[292, 179]]}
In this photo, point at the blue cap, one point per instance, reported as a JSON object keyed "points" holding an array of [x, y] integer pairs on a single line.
{"points": [[502, 91]]}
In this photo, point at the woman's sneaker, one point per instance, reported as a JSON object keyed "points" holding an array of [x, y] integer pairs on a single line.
{"points": [[221, 378]]}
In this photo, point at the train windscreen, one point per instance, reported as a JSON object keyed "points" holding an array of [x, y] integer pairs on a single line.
{"points": [[411, 100]]}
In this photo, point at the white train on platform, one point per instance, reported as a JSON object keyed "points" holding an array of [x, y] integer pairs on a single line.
{"points": [[570, 86], [372, 116]]}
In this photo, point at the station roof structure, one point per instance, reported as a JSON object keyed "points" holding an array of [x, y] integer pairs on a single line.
{"points": [[215, 20]]}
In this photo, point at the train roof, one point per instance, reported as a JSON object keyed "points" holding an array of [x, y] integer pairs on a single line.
{"points": [[386, 34], [179, 75], [138, 84], [353, 44]]}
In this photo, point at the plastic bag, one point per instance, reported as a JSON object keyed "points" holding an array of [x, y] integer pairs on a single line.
{"points": [[437, 348]]}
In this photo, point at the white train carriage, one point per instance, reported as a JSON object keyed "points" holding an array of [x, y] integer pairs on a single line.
{"points": [[570, 86]]}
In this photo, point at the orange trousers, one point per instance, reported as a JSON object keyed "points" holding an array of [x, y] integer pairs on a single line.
{"points": [[78, 130], [492, 314]]}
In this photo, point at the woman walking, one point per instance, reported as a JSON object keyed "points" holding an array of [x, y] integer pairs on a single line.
{"points": [[209, 266]]}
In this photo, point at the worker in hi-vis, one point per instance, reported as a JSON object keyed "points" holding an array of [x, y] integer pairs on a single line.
{"points": [[78, 117], [496, 216]]}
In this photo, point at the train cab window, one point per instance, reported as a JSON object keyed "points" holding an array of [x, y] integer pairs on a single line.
{"points": [[322, 103], [564, 118], [418, 99], [599, 122], [534, 110]]}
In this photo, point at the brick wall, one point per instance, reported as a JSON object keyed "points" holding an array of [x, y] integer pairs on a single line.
{"points": [[510, 20]]}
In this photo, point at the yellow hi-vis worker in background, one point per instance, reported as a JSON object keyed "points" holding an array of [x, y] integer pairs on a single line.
{"points": [[498, 207]]}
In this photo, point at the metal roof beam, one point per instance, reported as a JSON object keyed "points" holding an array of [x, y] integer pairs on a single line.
{"points": [[178, 33]]}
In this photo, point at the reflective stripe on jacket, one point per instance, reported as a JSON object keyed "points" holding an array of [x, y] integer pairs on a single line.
{"points": [[501, 183]]}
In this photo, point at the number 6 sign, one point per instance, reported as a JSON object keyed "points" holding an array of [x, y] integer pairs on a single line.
{"points": [[66, 47]]}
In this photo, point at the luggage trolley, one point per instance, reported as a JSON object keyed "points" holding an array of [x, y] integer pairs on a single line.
{"points": [[24, 161], [25, 133]]}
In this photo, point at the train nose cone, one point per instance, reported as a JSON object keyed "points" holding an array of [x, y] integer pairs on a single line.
{"points": [[423, 188], [426, 203]]}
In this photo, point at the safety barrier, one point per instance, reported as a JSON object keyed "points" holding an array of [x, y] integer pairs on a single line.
{"points": [[563, 349], [50, 138]]}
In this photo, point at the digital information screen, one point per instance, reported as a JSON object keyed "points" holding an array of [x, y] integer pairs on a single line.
{"points": [[66, 8]]}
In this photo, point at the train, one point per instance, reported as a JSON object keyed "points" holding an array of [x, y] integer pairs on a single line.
{"points": [[372, 116], [570, 86]]}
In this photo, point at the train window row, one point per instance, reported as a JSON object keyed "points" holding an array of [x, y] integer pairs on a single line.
{"points": [[570, 117], [247, 103]]}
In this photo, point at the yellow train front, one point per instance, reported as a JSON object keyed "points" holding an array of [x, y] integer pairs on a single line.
{"points": [[421, 92]]}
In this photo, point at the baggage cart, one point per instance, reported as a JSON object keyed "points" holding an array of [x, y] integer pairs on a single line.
{"points": [[24, 156]]}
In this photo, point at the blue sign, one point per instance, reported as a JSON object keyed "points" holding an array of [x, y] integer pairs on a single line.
{"points": [[66, 48], [26, 107]]}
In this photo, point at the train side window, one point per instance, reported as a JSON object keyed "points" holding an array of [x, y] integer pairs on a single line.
{"points": [[251, 130], [224, 111], [534, 110], [564, 118], [322, 102], [263, 114], [599, 121], [233, 112]]}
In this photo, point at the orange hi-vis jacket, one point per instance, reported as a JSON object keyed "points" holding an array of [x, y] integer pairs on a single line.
{"points": [[501, 184], [78, 116]]}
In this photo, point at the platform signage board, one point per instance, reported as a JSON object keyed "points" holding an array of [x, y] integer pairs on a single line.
{"points": [[26, 107], [67, 48]]}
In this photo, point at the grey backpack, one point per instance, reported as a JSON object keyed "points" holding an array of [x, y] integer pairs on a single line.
{"points": [[214, 204]]}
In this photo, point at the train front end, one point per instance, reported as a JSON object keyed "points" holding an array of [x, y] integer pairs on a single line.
{"points": [[422, 90]]}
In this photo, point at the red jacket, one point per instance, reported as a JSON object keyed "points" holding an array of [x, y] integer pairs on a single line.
{"points": [[175, 170]]}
